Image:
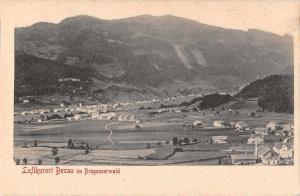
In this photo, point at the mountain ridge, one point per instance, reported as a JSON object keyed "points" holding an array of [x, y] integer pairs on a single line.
{"points": [[155, 50]]}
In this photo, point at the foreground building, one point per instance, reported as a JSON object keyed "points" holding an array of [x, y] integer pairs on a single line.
{"points": [[220, 139], [284, 150], [244, 159]]}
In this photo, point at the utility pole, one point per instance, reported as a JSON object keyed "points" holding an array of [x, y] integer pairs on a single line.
{"points": [[256, 147]]}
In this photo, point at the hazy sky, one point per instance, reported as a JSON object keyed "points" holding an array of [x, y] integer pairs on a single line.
{"points": [[280, 17]]}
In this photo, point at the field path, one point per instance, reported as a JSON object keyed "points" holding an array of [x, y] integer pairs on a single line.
{"points": [[110, 133]]}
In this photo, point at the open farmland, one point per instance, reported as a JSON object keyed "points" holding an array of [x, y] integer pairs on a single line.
{"points": [[114, 142]]}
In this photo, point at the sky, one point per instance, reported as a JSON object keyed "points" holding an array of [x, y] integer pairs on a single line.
{"points": [[280, 17]]}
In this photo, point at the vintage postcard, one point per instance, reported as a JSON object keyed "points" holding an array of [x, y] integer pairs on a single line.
{"points": [[136, 94]]}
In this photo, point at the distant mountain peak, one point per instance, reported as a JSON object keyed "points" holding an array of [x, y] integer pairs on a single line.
{"points": [[166, 53], [81, 19]]}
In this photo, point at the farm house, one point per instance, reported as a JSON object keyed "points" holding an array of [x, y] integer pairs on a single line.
{"points": [[220, 139], [198, 123], [219, 124], [255, 139]]}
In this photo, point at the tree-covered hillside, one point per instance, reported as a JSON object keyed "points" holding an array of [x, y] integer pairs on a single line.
{"points": [[275, 93]]}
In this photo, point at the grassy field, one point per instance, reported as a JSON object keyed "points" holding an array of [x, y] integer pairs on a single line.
{"points": [[130, 143]]}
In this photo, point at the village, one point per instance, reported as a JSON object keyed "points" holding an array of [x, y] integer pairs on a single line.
{"points": [[222, 136]]}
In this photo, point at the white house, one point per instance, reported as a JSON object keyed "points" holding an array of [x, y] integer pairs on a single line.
{"points": [[77, 117], [271, 125], [220, 139], [121, 118], [108, 116], [255, 139], [243, 159], [138, 121], [241, 125], [132, 118], [95, 115], [261, 130], [70, 118], [219, 124], [284, 150], [162, 110], [198, 123], [24, 113], [25, 101], [266, 155]]}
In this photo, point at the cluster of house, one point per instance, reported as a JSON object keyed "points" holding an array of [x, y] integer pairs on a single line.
{"points": [[240, 125], [279, 129], [75, 112], [272, 154], [257, 151]]}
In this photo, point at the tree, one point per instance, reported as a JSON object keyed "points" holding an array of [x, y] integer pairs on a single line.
{"points": [[186, 140], [56, 159], [175, 141], [35, 143], [54, 151], [148, 145], [40, 162], [68, 115], [180, 141], [70, 144], [195, 140], [25, 161]]}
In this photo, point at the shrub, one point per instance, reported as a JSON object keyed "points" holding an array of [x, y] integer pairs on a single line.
{"points": [[54, 151], [186, 140], [70, 144], [180, 141], [56, 159], [35, 143], [148, 145], [175, 141]]}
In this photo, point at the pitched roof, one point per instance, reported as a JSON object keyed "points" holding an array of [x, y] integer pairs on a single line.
{"points": [[290, 145], [219, 137], [243, 156], [243, 147], [263, 150], [279, 145]]}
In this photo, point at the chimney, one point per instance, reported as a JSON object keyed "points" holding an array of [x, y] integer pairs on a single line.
{"points": [[256, 147]]}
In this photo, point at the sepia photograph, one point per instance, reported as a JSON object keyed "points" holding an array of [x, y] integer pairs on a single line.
{"points": [[152, 90], [152, 97]]}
